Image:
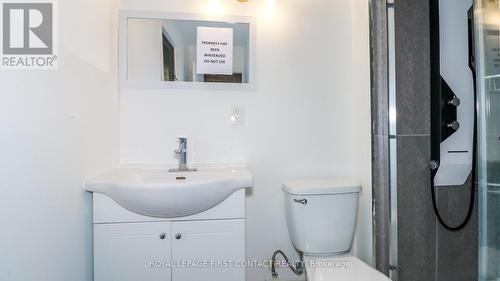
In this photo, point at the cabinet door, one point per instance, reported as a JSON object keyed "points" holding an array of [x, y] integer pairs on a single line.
{"points": [[208, 250], [132, 252]]}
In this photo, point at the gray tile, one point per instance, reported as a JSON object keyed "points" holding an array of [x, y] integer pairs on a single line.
{"points": [[493, 155], [491, 244], [381, 199], [454, 200], [492, 124], [379, 76], [412, 67], [416, 223], [457, 255]]}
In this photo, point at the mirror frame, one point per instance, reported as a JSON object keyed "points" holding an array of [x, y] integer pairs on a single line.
{"points": [[124, 83]]}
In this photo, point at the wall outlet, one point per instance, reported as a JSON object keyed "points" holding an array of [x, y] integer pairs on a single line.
{"points": [[237, 116]]}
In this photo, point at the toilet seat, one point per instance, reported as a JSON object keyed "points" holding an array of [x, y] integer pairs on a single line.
{"points": [[340, 268]]}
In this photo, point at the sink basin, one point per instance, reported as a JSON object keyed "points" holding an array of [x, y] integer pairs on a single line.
{"points": [[157, 192]]}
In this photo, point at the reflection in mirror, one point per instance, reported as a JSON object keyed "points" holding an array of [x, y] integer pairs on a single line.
{"points": [[172, 50]]}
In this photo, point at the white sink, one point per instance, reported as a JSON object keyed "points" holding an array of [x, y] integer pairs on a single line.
{"points": [[157, 192]]}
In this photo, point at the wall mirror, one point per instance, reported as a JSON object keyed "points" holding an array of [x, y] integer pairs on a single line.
{"points": [[194, 51]]}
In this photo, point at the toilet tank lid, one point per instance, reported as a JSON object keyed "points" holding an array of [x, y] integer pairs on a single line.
{"points": [[324, 186]]}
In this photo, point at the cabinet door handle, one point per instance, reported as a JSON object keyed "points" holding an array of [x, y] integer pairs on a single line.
{"points": [[301, 201], [178, 236], [163, 235]]}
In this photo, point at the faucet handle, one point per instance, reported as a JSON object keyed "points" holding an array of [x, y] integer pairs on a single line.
{"points": [[182, 139], [179, 151]]}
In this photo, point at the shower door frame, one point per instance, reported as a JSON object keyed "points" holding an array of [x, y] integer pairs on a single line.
{"points": [[384, 136]]}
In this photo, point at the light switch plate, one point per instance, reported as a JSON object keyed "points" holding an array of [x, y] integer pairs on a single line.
{"points": [[237, 116]]}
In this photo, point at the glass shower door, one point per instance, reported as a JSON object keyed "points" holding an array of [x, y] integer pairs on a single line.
{"points": [[487, 55]]}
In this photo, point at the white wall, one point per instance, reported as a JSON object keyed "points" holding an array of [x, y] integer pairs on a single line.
{"points": [[308, 118], [144, 50], [361, 117], [57, 128]]}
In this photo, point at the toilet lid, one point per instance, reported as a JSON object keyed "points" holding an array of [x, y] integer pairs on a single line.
{"points": [[342, 268]]}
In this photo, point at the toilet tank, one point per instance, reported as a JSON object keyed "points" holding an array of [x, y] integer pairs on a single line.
{"points": [[321, 214]]}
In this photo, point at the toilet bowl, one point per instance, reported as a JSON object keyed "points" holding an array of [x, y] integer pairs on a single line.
{"points": [[340, 268], [321, 219]]}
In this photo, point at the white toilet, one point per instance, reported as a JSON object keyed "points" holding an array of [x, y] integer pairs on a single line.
{"points": [[321, 219]]}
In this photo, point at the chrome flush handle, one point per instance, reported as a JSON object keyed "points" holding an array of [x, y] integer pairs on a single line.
{"points": [[301, 201]]}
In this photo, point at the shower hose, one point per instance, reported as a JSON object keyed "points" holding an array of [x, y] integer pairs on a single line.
{"points": [[472, 188]]}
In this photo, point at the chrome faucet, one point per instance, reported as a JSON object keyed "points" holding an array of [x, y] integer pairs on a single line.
{"points": [[181, 154]]}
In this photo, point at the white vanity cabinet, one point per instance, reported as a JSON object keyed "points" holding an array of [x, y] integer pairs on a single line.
{"points": [[208, 246], [213, 245], [125, 251]]}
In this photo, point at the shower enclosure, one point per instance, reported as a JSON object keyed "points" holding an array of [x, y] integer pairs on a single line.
{"points": [[487, 14], [410, 244]]}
